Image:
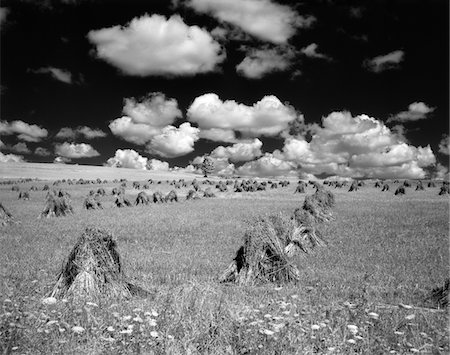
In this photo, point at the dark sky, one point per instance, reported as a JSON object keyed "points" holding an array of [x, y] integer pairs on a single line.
{"points": [[38, 35]]}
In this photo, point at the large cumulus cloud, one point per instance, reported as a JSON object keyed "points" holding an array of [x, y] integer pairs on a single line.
{"points": [[155, 45], [127, 158], [148, 122], [262, 19], [268, 117], [357, 146]]}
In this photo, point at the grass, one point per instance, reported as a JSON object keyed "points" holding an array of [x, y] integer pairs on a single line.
{"points": [[383, 250]]}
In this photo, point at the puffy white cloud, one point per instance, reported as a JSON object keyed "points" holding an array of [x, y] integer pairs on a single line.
{"points": [[11, 158], [218, 135], [260, 62], [263, 19], [127, 158], [61, 160], [229, 170], [311, 52], [127, 129], [385, 62], [154, 45], [75, 151], [66, 133], [269, 116], [91, 133], [397, 154], [146, 118], [23, 130], [43, 152], [444, 145], [154, 110], [56, 73], [174, 142], [416, 111], [20, 148], [267, 165], [240, 151], [72, 133], [359, 146], [155, 164]]}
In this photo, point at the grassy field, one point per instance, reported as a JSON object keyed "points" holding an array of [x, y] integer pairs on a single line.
{"points": [[383, 251]]}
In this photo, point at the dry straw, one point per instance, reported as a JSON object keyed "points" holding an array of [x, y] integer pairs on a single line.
{"points": [[93, 271], [57, 204], [271, 241], [171, 196], [92, 203], [142, 198], [5, 216]]}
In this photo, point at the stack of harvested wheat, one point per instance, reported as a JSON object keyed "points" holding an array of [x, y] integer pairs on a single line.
{"points": [[301, 187], [444, 190], [400, 191], [122, 201], [171, 196], [158, 197], [142, 198], [270, 242], [57, 204], [92, 203], [192, 195], [5, 217], [354, 186], [24, 195], [208, 193], [420, 186], [93, 271], [385, 187]]}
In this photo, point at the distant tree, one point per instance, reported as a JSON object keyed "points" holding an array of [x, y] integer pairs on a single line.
{"points": [[207, 166]]}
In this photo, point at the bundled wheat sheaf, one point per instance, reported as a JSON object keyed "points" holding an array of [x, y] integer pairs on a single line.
{"points": [[272, 241], [57, 204], [93, 271], [5, 217]]}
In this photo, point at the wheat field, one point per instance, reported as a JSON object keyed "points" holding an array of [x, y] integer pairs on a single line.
{"points": [[365, 292]]}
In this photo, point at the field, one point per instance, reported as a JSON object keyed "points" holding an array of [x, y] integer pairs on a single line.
{"points": [[365, 292]]}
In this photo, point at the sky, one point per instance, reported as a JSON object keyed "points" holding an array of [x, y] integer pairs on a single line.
{"points": [[348, 89]]}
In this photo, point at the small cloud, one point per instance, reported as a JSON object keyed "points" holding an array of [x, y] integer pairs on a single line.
{"points": [[58, 74], [75, 151], [385, 62], [11, 158], [260, 62], [311, 52], [127, 158], [263, 19], [174, 142], [61, 160], [444, 145], [20, 148], [356, 11], [157, 165], [87, 132], [241, 151], [24, 131], [42, 152], [3, 13], [416, 111]]}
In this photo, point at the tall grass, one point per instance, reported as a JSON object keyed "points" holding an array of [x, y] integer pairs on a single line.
{"points": [[382, 251]]}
